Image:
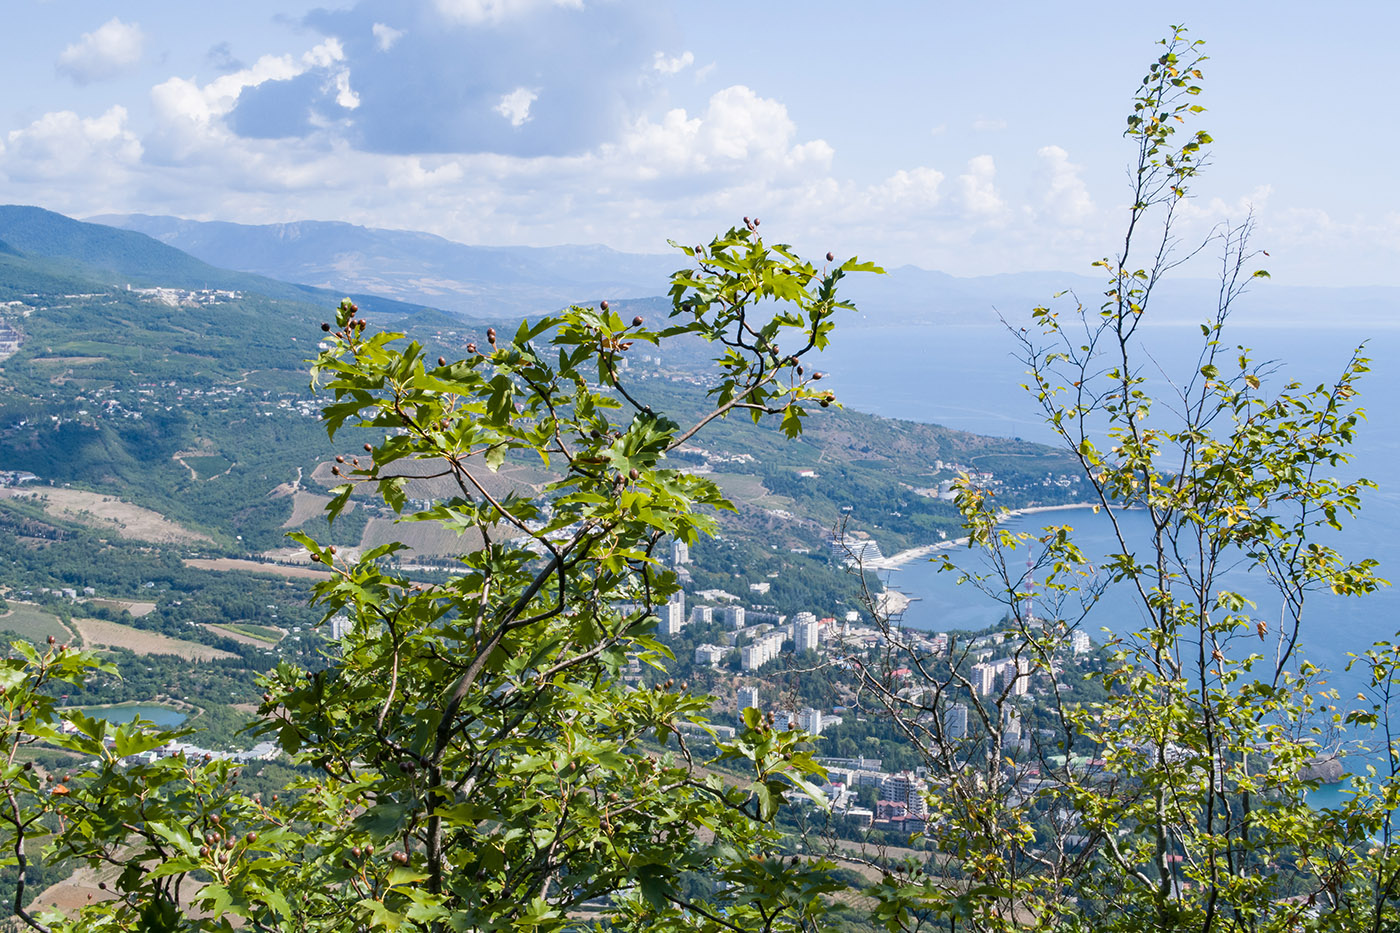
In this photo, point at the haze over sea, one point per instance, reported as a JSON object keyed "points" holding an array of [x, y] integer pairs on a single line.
{"points": [[966, 377]]}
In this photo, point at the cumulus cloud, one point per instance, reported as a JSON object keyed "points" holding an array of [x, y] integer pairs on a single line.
{"points": [[670, 66], [977, 188], [1064, 195], [453, 63], [515, 106], [385, 36], [112, 49], [737, 129], [62, 145]]}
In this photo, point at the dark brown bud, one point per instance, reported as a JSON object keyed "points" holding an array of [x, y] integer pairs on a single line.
{"points": [[830, 256], [203, 853], [491, 336], [354, 308], [230, 844], [355, 852], [799, 370], [355, 461], [825, 404], [756, 221], [746, 222]]}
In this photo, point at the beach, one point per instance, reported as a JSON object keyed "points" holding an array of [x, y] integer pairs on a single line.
{"points": [[895, 561]]}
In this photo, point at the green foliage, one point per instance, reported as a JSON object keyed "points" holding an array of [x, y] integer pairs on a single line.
{"points": [[475, 760], [1174, 795]]}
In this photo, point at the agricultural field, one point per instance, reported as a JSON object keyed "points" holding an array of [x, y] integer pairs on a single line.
{"points": [[98, 633], [33, 624], [107, 513], [135, 607], [247, 633], [254, 566]]}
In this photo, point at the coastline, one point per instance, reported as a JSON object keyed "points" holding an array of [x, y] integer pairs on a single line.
{"points": [[895, 561]]}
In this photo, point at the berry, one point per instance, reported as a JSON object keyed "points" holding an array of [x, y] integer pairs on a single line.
{"points": [[830, 256], [633, 473], [369, 448], [339, 459], [325, 327], [471, 348], [603, 304], [442, 361], [637, 321]]}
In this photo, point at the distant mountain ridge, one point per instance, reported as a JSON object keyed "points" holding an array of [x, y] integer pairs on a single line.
{"points": [[499, 282], [46, 243], [414, 267]]}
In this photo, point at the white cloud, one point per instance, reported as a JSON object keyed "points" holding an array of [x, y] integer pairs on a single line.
{"points": [[476, 12], [62, 145], [515, 106], [185, 101], [977, 187], [671, 66], [739, 130], [988, 124], [113, 48], [344, 96], [1065, 195], [385, 36]]}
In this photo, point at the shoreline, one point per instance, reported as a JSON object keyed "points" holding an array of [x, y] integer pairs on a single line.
{"points": [[896, 561]]}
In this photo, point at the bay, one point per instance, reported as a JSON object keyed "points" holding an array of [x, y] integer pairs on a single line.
{"points": [[967, 377]]}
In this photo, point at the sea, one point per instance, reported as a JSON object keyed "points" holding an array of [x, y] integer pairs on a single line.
{"points": [[968, 377]]}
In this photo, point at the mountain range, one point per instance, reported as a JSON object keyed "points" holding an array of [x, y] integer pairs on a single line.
{"points": [[421, 269]]}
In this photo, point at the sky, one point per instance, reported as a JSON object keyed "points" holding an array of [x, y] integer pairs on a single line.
{"points": [[967, 138]]}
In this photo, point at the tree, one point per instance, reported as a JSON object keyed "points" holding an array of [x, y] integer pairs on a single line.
{"points": [[1177, 798], [478, 759]]}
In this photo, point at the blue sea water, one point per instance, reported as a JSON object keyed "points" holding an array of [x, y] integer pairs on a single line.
{"points": [[966, 377]]}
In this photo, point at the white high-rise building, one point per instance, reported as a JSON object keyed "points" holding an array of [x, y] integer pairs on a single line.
{"points": [[955, 721], [1079, 642], [732, 616], [680, 552], [702, 615], [709, 655], [340, 626], [806, 632], [673, 620], [746, 697], [907, 789], [810, 720], [984, 678]]}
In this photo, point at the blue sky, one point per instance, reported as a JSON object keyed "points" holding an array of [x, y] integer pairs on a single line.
{"points": [[970, 140]]}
